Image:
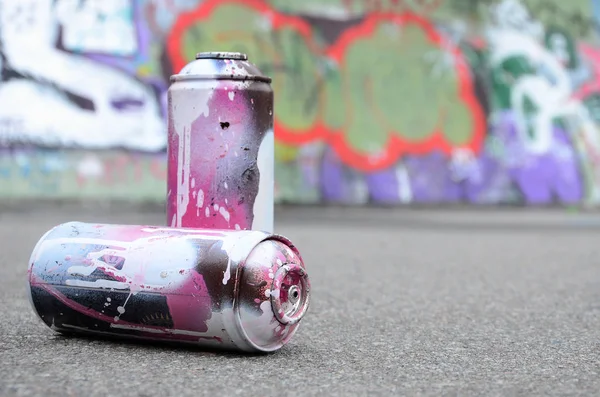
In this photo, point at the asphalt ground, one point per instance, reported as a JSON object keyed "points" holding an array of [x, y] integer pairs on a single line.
{"points": [[405, 302]]}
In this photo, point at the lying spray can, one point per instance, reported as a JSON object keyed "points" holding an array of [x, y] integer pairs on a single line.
{"points": [[220, 170], [237, 290]]}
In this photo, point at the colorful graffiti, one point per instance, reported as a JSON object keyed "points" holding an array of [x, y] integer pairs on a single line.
{"points": [[377, 101], [353, 92], [62, 174]]}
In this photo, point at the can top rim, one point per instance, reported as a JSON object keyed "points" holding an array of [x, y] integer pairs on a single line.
{"points": [[191, 77], [222, 55]]}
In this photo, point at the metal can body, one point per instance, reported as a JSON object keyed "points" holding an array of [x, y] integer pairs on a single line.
{"points": [[240, 290], [220, 170]]}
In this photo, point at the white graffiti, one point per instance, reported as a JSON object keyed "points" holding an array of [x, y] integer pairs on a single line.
{"points": [[165, 11], [543, 91], [105, 26], [66, 99]]}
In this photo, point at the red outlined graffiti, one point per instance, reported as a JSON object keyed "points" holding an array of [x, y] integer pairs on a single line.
{"points": [[396, 145], [205, 10]]}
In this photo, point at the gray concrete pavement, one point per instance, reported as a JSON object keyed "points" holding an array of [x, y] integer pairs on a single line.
{"points": [[405, 302]]}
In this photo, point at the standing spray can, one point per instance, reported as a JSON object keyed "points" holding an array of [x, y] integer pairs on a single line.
{"points": [[220, 170], [237, 290]]}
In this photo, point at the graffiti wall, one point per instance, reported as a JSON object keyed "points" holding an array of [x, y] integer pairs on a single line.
{"points": [[376, 101]]}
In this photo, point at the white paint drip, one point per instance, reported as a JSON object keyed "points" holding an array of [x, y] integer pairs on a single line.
{"points": [[183, 170], [207, 211], [231, 95], [227, 247], [263, 204]]}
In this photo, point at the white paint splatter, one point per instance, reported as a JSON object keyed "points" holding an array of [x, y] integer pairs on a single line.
{"points": [[200, 201], [216, 207], [207, 212], [231, 95], [106, 284], [237, 227], [226, 186], [224, 213]]}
